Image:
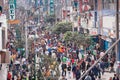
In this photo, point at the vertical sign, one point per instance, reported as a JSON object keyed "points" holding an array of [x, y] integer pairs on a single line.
{"points": [[51, 7], [12, 9], [95, 14], [36, 3], [45, 8]]}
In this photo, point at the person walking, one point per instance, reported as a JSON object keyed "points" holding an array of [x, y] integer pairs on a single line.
{"points": [[88, 77], [64, 67], [115, 77], [9, 76], [77, 73], [110, 78], [69, 70]]}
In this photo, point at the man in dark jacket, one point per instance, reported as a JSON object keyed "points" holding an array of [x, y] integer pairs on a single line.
{"points": [[64, 67], [77, 73]]}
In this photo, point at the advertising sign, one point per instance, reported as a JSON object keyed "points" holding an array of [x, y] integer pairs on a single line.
{"points": [[12, 9]]}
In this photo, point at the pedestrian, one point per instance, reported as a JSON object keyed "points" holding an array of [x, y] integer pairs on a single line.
{"points": [[69, 70], [73, 69], [9, 76], [92, 76], [63, 78], [77, 73], [110, 78], [49, 50], [88, 77], [111, 66], [83, 65], [99, 78], [64, 67], [115, 77]]}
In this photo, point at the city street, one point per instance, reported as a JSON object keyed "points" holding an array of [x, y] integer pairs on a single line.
{"points": [[59, 40]]}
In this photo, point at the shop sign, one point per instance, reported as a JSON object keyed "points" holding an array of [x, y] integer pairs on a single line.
{"points": [[11, 10]]}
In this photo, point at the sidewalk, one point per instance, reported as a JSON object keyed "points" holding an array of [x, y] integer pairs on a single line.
{"points": [[107, 75]]}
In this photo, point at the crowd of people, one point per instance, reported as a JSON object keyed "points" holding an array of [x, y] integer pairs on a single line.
{"points": [[71, 58]]}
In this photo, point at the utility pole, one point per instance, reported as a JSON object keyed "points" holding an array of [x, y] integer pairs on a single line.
{"points": [[26, 38], [100, 27], [117, 30]]}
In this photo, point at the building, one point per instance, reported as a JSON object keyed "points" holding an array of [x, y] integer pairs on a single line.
{"points": [[103, 19], [1, 2], [4, 55]]}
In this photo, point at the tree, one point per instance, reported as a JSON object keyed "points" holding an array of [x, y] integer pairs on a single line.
{"points": [[62, 27], [78, 39]]}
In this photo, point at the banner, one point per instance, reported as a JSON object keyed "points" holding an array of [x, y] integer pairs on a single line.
{"points": [[12, 9]]}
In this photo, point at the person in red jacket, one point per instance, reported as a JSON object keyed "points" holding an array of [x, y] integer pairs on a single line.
{"points": [[9, 76]]}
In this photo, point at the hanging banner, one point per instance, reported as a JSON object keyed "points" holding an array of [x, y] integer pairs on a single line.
{"points": [[12, 9]]}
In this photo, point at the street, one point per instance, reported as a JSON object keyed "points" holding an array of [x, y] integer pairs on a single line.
{"points": [[59, 40]]}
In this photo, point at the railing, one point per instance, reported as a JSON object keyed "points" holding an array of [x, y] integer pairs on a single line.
{"points": [[113, 45]]}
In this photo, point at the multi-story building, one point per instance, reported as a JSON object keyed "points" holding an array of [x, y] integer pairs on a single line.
{"points": [[4, 55], [103, 12]]}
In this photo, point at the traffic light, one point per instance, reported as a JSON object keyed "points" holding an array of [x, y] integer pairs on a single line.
{"points": [[51, 7]]}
